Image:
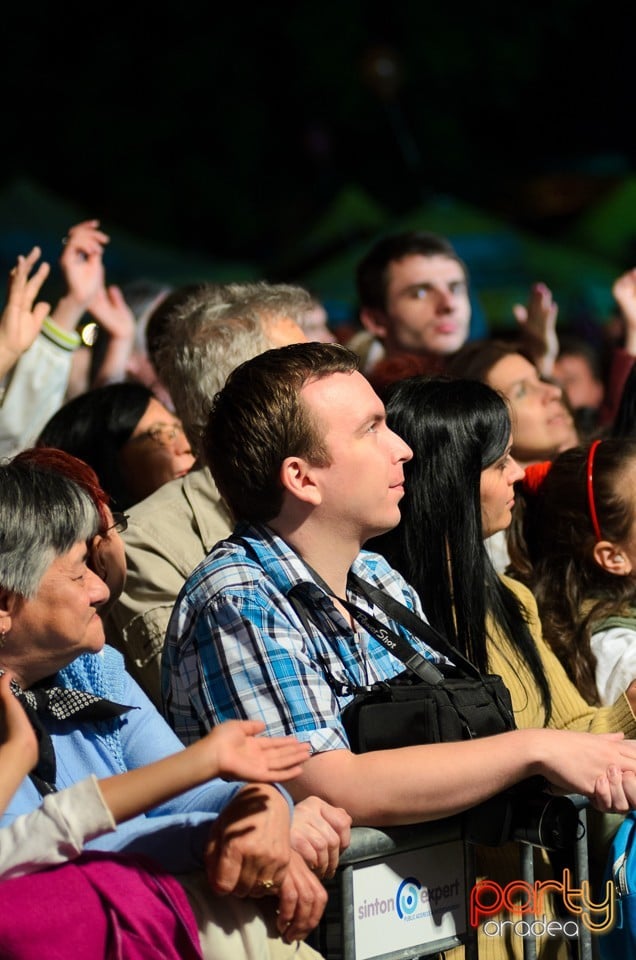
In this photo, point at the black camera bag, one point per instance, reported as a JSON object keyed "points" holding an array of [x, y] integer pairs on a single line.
{"points": [[409, 710], [437, 703]]}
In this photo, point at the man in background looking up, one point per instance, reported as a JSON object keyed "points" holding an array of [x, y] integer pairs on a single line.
{"points": [[413, 291]]}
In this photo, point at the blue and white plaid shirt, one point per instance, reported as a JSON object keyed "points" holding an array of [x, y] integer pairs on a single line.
{"points": [[236, 646]]}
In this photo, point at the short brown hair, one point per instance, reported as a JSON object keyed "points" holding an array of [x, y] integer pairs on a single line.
{"points": [[372, 272], [475, 359], [258, 419]]}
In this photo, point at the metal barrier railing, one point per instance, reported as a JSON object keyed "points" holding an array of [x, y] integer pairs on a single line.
{"points": [[404, 893], [400, 893]]}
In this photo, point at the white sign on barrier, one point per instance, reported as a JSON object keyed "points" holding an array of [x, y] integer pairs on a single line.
{"points": [[410, 899]]}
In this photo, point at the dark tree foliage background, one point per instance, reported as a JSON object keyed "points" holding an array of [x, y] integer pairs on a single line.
{"points": [[227, 128]]}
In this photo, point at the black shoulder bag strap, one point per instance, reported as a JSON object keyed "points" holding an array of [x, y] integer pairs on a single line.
{"points": [[410, 621], [394, 642]]}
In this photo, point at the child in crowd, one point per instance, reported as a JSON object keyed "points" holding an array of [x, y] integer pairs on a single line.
{"points": [[66, 820], [574, 544]]}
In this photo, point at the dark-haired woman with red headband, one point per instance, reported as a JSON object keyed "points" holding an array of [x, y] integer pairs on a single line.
{"points": [[576, 548]]}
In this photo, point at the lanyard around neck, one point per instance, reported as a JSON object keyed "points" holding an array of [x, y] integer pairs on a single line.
{"points": [[390, 639]]}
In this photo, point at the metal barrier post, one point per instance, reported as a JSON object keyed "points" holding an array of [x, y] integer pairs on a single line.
{"points": [[583, 947]]}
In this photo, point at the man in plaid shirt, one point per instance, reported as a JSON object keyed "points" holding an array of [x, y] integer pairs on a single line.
{"points": [[298, 445]]}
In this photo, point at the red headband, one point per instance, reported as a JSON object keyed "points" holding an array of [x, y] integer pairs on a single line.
{"points": [[590, 491], [535, 475]]}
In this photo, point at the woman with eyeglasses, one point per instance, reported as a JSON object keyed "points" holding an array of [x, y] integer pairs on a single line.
{"points": [[543, 424], [126, 435]]}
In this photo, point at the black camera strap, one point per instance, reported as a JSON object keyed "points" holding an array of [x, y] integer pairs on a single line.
{"points": [[394, 642], [410, 621]]}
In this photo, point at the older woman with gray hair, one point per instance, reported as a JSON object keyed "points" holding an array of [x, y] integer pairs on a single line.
{"points": [[92, 718]]}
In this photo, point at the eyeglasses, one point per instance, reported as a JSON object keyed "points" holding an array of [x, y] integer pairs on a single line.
{"points": [[163, 434], [120, 523]]}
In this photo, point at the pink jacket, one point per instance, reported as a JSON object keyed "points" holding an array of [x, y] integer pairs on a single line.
{"points": [[102, 905]]}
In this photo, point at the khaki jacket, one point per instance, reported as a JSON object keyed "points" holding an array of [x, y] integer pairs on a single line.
{"points": [[168, 534]]}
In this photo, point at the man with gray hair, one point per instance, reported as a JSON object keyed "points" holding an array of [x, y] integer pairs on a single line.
{"points": [[212, 330]]}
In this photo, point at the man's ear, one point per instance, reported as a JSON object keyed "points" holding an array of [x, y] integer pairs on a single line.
{"points": [[374, 321], [610, 557], [296, 476]]}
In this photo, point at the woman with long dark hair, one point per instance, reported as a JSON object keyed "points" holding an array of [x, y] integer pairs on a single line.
{"points": [[459, 490]]}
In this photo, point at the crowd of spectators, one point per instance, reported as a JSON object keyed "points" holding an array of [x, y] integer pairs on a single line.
{"points": [[207, 502]]}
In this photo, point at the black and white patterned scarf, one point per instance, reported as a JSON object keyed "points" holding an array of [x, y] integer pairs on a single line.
{"points": [[43, 702]]}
